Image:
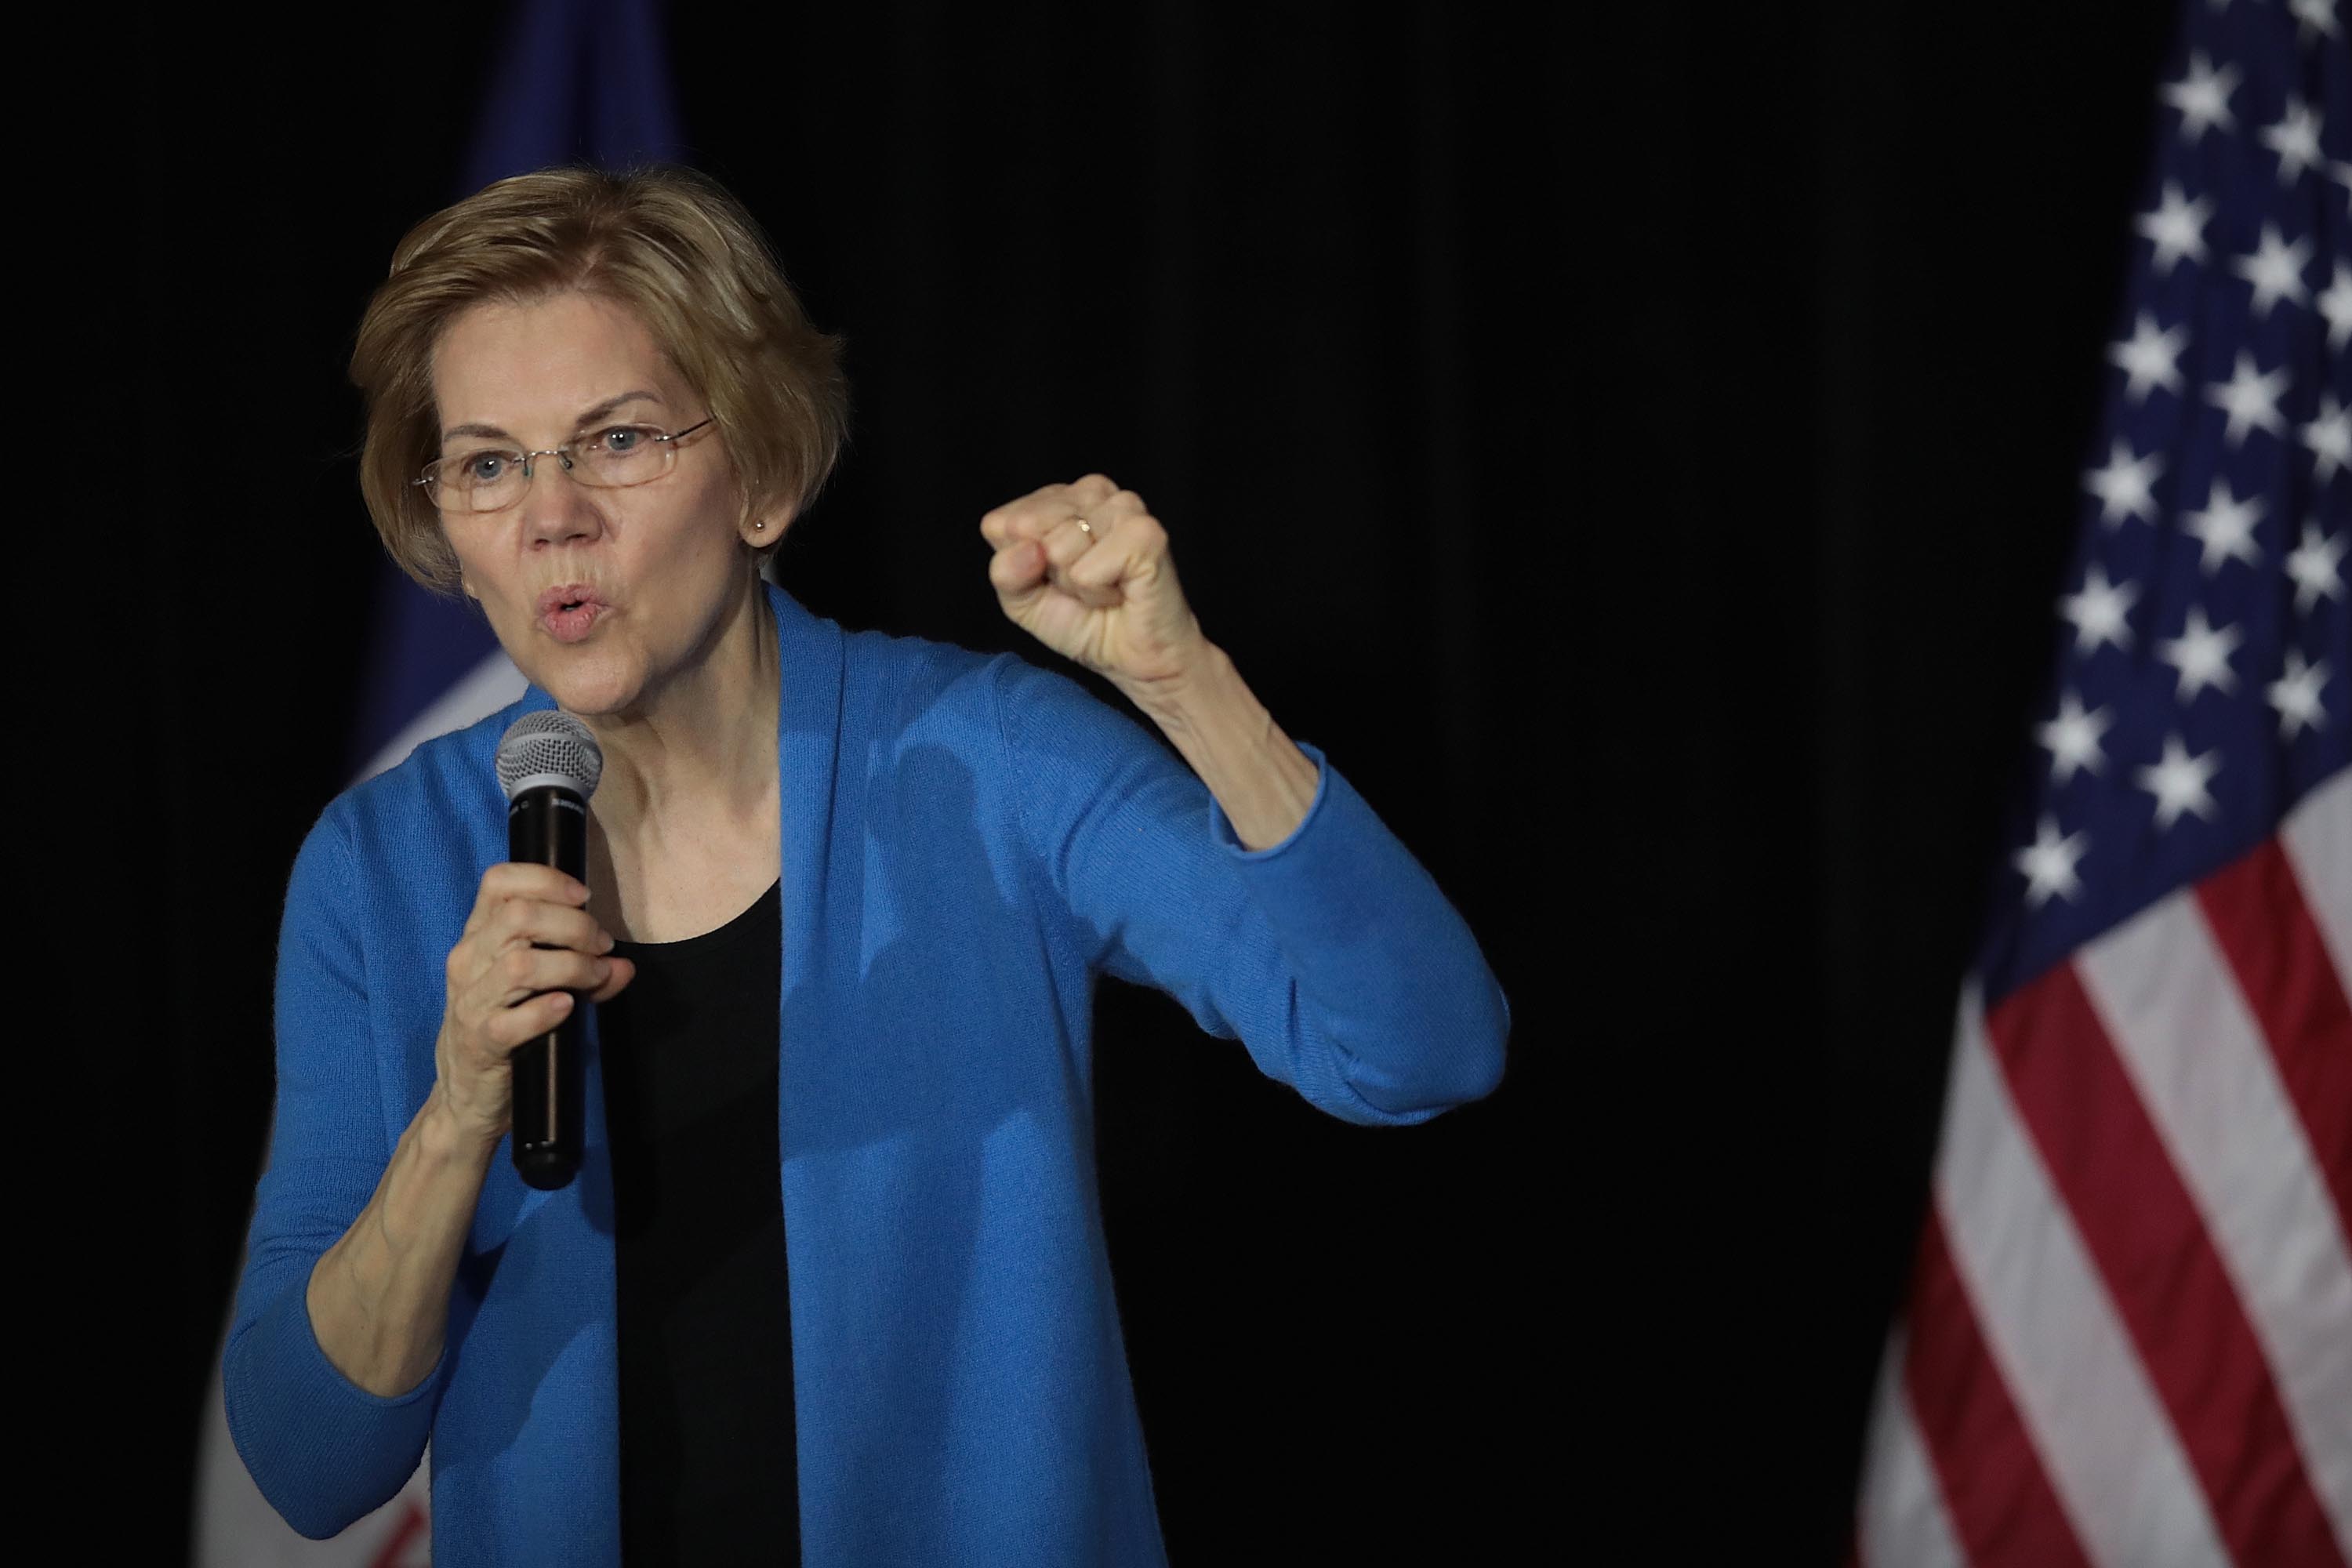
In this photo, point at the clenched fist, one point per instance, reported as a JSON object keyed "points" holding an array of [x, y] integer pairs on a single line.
{"points": [[1103, 595]]}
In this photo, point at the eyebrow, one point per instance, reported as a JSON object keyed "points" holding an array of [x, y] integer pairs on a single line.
{"points": [[601, 409]]}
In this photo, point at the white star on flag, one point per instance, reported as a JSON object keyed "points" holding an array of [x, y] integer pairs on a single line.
{"points": [[2295, 695], [2313, 16], [2097, 612], [2203, 96], [2179, 782], [2201, 653], [2177, 228], [2151, 358], [2336, 306], [2313, 566], [2226, 527], [2295, 139], [2123, 486], [2329, 437], [2251, 398], [2073, 738], [2048, 864], [2275, 269]]}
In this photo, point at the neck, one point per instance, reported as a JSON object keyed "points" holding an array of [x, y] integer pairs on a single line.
{"points": [[705, 741]]}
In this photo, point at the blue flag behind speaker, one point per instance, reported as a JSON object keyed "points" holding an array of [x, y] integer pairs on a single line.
{"points": [[576, 81]]}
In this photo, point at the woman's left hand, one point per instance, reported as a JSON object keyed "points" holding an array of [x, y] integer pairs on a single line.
{"points": [[1108, 598]]}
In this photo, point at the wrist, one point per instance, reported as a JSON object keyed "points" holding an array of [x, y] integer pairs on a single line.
{"points": [[446, 1133], [1170, 699]]}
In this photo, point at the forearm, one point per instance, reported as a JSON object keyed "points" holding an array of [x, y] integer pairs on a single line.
{"points": [[1366, 974], [1387, 972], [379, 1298], [1262, 780]]}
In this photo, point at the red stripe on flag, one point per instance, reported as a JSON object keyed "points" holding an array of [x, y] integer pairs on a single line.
{"points": [[2262, 926], [2142, 1228], [2001, 1499]]}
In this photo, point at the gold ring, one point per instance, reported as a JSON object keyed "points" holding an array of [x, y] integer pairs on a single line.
{"points": [[1084, 528]]}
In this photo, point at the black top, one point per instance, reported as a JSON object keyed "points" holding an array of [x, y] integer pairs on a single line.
{"points": [[708, 1472]]}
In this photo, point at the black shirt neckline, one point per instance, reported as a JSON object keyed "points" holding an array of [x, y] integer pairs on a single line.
{"points": [[720, 937]]}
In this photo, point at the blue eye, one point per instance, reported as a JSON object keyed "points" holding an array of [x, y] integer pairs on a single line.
{"points": [[484, 468], [621, 438]]}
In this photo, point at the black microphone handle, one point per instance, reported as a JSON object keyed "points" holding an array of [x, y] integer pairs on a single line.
{"points": [[548, 825]]}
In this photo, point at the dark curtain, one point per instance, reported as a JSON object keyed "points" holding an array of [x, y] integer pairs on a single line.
{"points": [[1639, 445]]}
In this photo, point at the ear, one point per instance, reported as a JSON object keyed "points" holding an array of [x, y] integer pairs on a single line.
{"points": [[763, 528]]}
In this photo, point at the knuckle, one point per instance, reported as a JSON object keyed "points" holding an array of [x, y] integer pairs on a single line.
{"points": [[515, 963]]}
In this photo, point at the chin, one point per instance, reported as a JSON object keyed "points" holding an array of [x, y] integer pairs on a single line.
{"points": [[588, 684]]}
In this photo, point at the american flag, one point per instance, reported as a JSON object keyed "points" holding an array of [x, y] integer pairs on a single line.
{"points": [[2129, 1335]]}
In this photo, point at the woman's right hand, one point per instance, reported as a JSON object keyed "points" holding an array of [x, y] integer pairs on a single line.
{"points": [[528, 945]]}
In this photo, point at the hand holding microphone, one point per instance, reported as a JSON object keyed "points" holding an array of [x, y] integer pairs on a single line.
{"points": [[512, 1036]]}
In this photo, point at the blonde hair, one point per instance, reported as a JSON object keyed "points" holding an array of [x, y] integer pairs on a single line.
{"points": [[668, 242]]}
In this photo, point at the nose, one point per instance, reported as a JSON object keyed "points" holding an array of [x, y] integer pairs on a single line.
{"points": [[556, 508]]}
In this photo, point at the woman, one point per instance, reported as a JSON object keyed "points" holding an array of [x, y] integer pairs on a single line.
{"points": [[830, 1281]]}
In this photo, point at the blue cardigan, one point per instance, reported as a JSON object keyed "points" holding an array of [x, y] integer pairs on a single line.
{"points": [[967, 840]]}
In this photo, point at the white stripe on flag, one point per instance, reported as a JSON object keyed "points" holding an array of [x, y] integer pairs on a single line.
{"points": [[2049, 1324], [2172, 1006], [2317, 835], [487, 687], [1902, 1522]]}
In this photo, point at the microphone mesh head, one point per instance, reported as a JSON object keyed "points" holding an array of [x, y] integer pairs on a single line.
{"points": [[549, 746]]}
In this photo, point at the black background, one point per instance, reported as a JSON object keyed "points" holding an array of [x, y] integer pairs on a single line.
{"points": [[1640, 446]]}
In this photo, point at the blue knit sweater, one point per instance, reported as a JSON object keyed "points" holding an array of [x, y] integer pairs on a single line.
{"points": [[967, 841]]}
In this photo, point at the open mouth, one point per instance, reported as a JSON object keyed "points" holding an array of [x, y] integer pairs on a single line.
{"points": [[569, 610], [569, 596]]}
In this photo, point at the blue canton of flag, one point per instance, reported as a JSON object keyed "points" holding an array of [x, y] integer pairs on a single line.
{"points": [[2204, 674]]}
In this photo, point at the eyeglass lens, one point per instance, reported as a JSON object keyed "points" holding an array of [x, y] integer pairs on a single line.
{"points": [[489, 478]]}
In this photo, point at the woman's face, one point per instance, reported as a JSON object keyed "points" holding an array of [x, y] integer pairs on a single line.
{"points": [[660, 563]]}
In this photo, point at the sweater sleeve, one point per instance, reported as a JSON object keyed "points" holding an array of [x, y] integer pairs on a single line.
{"points": [[323, 1450], [1332, 955]]}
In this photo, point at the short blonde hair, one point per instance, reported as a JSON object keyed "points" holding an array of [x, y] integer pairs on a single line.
{"points": [[668, 242]]}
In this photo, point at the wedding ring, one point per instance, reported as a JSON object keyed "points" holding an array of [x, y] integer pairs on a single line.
{"points": [[1086, 528]]}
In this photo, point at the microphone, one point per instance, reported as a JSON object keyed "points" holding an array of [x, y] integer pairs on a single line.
{"points": [[548, 764]]}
